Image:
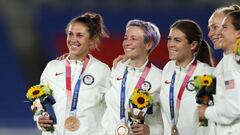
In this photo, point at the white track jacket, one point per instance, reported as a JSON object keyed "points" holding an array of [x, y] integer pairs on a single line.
{"points": [[226, 111], [90, 106], [187, 123], [111, 118]]}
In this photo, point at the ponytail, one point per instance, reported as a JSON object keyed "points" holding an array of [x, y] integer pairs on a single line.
{"points": [[204, 53]]}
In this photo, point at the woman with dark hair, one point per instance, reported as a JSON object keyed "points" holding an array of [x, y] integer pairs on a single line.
{"points": [[226, 110], [78, 87], [190, 55], [214, 24]]}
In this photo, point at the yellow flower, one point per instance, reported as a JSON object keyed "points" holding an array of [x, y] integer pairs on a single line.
{"points": [[141, 100], [206, 80], [236, 49], [35, 92], [135, 90]]}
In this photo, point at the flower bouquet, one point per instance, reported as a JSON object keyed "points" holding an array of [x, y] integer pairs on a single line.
{"points": [[205, 86], [140, 103], [237, 51], [41, 100]]}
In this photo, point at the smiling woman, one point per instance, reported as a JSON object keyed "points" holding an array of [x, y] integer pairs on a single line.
{"points": [[214, 23], [84, 33], [78, 41], [133, 100], [185, 41], [76, 86], [226, 110], [190, 56]]}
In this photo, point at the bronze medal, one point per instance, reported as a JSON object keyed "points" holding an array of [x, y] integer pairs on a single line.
{"points": [[72, 123], [122, 130], [174, 130]]}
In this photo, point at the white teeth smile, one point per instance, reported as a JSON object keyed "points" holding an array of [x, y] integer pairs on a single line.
{"points": [[128, 50], [172, 50], [74, 46]]}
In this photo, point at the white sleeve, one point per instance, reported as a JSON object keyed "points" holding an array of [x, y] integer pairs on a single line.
{"points": [[43, 80], [227, 109], [154, 120], [104, 76], [45, 74]]}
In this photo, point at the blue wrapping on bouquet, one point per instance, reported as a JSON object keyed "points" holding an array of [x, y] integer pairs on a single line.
{"points": [[47, 104], [205, 94], [202, 95]]}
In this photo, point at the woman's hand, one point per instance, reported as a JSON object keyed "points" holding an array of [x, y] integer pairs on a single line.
{"points": [[201, 111], [45, 122], [121, 58], [140, 129]]}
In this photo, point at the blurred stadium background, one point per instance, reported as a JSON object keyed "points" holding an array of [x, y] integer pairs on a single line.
{"points": [[32, 33]]}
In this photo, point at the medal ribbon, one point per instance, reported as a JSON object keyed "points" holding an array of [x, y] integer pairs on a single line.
{"points": [[74, 98], [180, 93], [138, 86]]}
